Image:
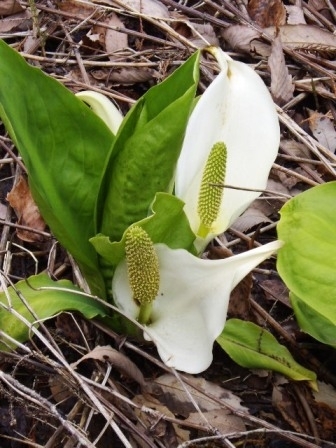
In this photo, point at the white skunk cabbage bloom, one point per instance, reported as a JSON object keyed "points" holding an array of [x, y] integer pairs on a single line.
{"points": [[182, 300], [103, 107], [232, 138]]}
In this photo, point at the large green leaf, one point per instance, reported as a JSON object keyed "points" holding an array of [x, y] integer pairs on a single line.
{"points": [[44, 303], [307, 261], [64, 146], [146, 150], [313, 322], [253, 347]]}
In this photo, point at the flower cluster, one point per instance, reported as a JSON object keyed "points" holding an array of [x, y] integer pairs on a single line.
{"points": [[230, 143]]}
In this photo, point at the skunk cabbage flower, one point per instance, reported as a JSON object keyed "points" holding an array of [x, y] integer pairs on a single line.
{"points": [[232, 139], [102, 107], [182, 300]]}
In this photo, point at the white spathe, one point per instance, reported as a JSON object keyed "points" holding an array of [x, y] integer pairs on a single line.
{"points": [[236, 109], [190, 309], [103, 107]]}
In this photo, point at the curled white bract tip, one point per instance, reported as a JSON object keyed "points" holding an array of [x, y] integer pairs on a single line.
{"points": [[102, 107]]}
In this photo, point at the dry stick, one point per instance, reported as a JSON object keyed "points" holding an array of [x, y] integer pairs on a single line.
{"points": [[306, 165], [246, 434], [68, 368], [120, 414], [311, 143], [70, 416], [195, 13], [291, 158], [7, 223], [209, 427], [78, 56], [159, 23], [320, 16], [33, 397], [255, 420], [240, 17], [249, 236], [66, 60], [146, 410], [308, 412], [297, 175], [114, 28]]}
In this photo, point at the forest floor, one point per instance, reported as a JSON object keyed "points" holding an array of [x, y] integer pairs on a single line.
{"points": [[121, 48]]}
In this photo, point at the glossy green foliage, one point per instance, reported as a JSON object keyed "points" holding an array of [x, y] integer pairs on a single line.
{"points": [[145, 152], [307, 261], [64, 146], [25, 304], [167, 224], [255, 348], [314, 322]]}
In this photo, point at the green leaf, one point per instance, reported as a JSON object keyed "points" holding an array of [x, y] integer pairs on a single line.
{"points": [[307, 261], [253, 347], [312, 322], [167, 224], [146, 150], [64, 146], [44, 303]]}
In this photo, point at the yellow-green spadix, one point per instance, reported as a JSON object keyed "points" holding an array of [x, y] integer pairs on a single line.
{"points": [[237, 111], [189, 311]]}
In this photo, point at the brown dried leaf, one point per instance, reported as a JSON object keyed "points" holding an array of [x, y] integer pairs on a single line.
{"points": [[220, 419], [324, 410], [28, 214], [127, 75], [326, 394], [256, 214], [282, 87], [169, 434], [178, 401], [239, 37], [59, 391], [295, 15], [114, 40], [202, 34], [239, 305], [82, 10], [306, 37], [323, 129], [284, 402], [150, 8], [275, 290], [296, 149], [9, 7], [267, 12], [117, 359], [17, 22]]}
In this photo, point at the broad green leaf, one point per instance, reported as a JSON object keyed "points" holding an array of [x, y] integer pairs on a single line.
{"points": [[44, 303], [64, 146], [307, 261], [146, 150], [253, 347], [167, 224], [313, 322]]}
